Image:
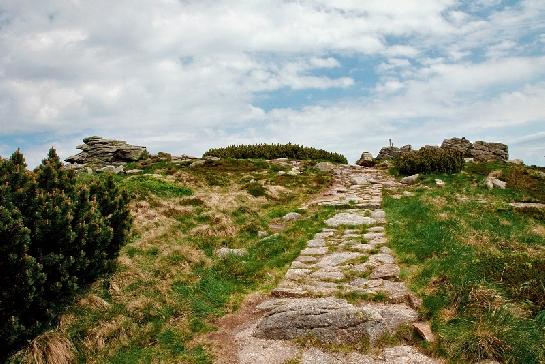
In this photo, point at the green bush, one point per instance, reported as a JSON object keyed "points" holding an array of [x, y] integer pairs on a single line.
{"points": [[429, 160], [272, 151], [56, 236]]}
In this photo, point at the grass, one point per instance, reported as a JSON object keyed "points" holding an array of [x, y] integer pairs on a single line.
{"points": [[169, 286], [477, 263]]}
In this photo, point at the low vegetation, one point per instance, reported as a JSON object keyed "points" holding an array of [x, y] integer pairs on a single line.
{"points": [[477, 262], [170, 286], [429, 160], [57, 236], [273, 151]]}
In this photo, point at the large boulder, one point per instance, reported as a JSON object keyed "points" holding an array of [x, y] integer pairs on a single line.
{"points": [[462, 145], [366, 160], [480, 151], [97, 150], [490, 152], [387, 153]]}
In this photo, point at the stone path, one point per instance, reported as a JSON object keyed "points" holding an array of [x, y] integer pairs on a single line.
{"points": [[348, 258]]}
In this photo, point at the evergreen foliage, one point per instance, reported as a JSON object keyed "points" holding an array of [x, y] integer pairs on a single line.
{"points": [[56, 236], [429, 160], [272, 151]]}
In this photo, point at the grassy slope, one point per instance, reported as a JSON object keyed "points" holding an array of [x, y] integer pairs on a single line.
{"points": [[169, 286], [478, 264]]}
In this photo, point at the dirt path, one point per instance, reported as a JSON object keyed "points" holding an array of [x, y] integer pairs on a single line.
{"points": [[310, 303]]}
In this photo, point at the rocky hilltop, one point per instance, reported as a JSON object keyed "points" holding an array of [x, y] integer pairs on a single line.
{"points": [[479, 151], [97, 150]]}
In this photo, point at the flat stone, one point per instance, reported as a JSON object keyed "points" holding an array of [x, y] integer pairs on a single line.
{"points": [[405, 354], [345, 218], [385, 271], [410, 179], [253, 350], [376, 229], [314, 251], [378, 214], [297, 273], [292, 216], [335, 259], [527, 205], [224, 252], [306, 259], [327, 319], [316, 243], [424, 330], [323, 274]]}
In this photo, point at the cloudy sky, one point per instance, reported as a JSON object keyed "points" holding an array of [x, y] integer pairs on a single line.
{"points": [[185, 75]]}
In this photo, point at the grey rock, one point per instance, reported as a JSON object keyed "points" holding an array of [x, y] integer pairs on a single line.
{"points": [[345, 218], [461, 145], [314, 251], [492, 182], [327, 319], [325, 166], [378, 214], [388, 153], [424, 330], [409, 180], [385, 271], [197, 163], [224, 252], [134, 171], [98, 150], [366, 160], [292, 216]]}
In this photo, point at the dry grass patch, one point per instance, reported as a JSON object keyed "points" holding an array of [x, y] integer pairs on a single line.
{"points": [[49, 348]]}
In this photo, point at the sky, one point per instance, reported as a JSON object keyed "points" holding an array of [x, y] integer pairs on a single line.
{"points": [[182, 76]]}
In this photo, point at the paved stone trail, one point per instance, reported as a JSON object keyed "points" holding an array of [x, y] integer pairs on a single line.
{"points": [[338, 262]]}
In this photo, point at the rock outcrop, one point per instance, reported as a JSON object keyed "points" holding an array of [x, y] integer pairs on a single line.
{"points": [[97, 150], [392, 152], [480, 151], [366, 160]]}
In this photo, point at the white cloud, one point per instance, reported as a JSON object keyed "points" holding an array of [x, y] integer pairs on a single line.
{"points": [[185, 75]]}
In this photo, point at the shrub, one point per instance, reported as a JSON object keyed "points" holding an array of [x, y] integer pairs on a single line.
{"points": [[429, 160], [56, 236], [272, 151]]}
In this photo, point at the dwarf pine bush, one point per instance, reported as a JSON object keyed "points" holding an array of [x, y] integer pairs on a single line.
{"points": [[272, 151], [56, 236], [429, 160]]}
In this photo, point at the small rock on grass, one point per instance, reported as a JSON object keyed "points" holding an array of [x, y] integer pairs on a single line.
{"points": [[424, 330], [224, 252], [439, 183], [292, 216], [410, 179]]}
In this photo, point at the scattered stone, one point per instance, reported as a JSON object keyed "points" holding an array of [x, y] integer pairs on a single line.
{"points": [[325, 166], [292, 216], [225, 252], [376, 229], [409, 180], [424, 330], [439, 182], [492, 182], [134, 171], [262, 234], [314, 251], [385, 271], [527, 205], [345, 218], [197, 163], [359, 180], [378, 214], [516, 161]]}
